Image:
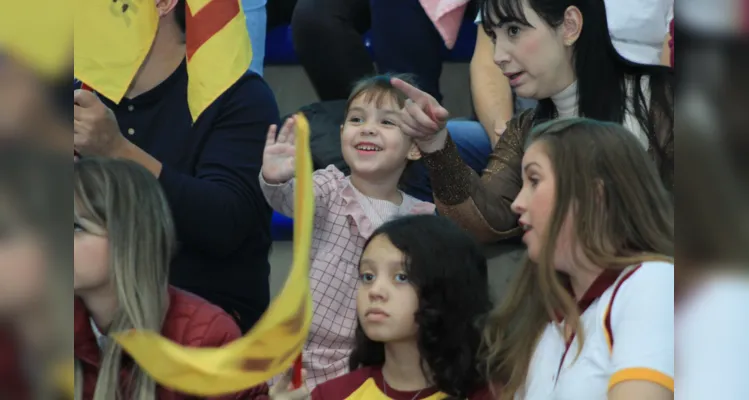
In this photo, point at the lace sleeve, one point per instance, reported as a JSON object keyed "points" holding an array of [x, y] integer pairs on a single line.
{"points": [[481, 205]]}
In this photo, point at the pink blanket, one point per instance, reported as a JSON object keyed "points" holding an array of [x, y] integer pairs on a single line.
{"points": [[447, 15]]}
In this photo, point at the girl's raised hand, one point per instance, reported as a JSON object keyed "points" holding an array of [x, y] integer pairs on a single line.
{"points": [[278, 156], [422, 118]]}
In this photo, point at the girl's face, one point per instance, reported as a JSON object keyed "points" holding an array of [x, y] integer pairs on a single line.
{"points": [[386, 300], [91, 252], [371, 141], [535, 206], [537, 59]]}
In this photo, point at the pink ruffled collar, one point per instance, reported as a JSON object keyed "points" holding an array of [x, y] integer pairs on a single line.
{"points": [[362, 225]]}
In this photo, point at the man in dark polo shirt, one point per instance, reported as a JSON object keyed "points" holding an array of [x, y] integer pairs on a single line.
{"points": [[209, 170]]}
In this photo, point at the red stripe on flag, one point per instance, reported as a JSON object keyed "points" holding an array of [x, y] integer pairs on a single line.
{"points": [[208, 21]]}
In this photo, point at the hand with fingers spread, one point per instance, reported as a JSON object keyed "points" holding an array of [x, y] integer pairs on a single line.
{"points": [[284, 389], [278, 156], [422, 118]]}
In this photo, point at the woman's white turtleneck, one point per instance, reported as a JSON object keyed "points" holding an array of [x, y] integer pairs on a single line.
{"points": [[566, 101], [566, 104]]}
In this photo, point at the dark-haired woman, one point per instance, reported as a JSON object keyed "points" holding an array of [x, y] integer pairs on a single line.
{"points": [[560, 53]]}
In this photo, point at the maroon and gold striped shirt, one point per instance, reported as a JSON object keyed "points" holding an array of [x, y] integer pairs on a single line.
{"points": [[368, 384]]}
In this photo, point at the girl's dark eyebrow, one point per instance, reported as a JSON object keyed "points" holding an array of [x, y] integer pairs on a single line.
{"points": [[510, 20]]}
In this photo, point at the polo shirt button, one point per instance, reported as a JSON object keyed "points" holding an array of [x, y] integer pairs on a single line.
{"points": [[130, 107], [130, 131]]}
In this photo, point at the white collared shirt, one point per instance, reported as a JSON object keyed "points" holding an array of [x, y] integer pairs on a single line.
{"points": [[101, 339], [641, 330]]}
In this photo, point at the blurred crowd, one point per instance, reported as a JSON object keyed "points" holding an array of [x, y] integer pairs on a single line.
{"points": [[570, 158]]}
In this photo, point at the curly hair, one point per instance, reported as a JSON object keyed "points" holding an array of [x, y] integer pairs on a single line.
{"points": [[448, 269]]}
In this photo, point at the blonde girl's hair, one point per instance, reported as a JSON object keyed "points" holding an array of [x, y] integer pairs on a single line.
{"points": [[127, 201], [623, 216]]}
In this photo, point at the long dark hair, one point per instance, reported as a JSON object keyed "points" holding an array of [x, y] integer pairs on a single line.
{"points": [[602, 73], [449, 271]]}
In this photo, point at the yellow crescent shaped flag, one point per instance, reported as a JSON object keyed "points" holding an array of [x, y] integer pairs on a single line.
{"points": [[275, 341], [112, 39]]}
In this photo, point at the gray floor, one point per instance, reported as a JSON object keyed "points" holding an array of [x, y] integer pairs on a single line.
{"points": [[293, 90]]}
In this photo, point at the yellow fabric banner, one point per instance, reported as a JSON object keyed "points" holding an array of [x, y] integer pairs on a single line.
{"points": [[370, 391], [112, 39], [273, 344], [218, 50]]}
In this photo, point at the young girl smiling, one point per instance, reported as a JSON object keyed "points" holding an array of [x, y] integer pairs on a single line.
{"points": [[348, 210]]}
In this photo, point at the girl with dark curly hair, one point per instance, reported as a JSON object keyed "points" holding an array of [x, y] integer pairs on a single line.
{"points": [[421, 299]]}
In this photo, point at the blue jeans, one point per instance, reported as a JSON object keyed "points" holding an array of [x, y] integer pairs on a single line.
{"points": [[256, 19], [474, 147]]}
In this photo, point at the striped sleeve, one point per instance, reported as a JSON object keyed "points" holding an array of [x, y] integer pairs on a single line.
{"points": [[641, 329]]}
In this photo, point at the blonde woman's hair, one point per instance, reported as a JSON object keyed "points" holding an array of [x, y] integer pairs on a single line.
{"points": [[623, 216], [127, 201]]}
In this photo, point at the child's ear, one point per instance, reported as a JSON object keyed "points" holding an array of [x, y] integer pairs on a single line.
{"points": [[414, 153], [341, 129]]}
